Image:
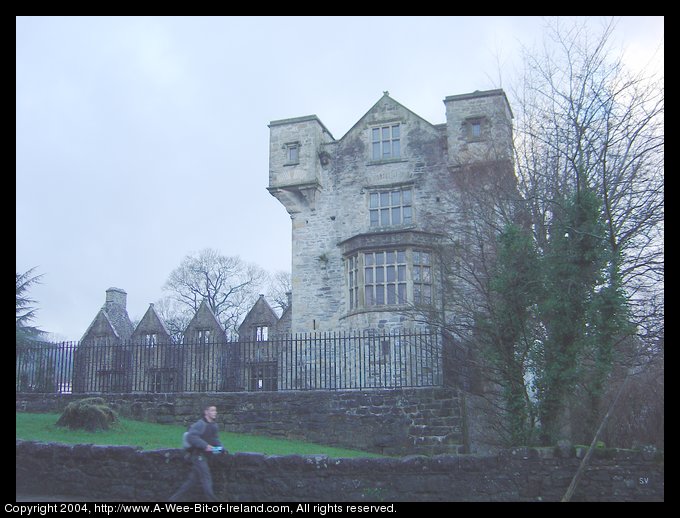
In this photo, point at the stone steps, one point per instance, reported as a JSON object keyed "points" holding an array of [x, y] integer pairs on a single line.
{"points": [[436, 426]]}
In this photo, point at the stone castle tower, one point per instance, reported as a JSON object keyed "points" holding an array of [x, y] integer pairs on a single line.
{"points": [[368, 209]]}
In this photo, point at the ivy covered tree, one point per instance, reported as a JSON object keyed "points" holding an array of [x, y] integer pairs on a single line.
{"points": [[551, 321], [589, 143], [587, 124], [573, 270], [507, 331]]}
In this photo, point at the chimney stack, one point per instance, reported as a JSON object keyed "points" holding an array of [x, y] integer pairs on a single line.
{"points": [[116, 296]]}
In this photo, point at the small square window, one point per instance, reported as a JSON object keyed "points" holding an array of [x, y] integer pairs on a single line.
{"points": [[292, 153], [474, 129]]}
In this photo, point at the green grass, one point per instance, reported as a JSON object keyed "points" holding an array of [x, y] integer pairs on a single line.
{"points": [[152, 436]]}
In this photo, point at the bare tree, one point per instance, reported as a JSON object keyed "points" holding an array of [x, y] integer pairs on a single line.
{"points": [[175, 315], [278, 287], [584, 126], [584, 122], [488, 350], [227, 284]]}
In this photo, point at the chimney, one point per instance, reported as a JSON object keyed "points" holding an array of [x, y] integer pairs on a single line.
{"points": [[116, 296]]}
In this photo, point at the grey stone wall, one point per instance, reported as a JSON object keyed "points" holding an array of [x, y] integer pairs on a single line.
{"points": [[204, 319], [261, 314], [151, 323], [491, 110], [392, 422], [123, 473], [327, 193]]}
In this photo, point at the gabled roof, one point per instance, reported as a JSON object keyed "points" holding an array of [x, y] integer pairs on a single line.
{"points": [[286, 310], [385, 99], [205, 312], [117, 320], [101, 314], [153, 316], [262, 307]]}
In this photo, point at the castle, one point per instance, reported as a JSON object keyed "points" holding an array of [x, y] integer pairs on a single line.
{"points": [[370, 211], [373, 235]]}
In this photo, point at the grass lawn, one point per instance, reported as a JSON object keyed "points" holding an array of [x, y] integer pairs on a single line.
{"points": [[152, 436]]}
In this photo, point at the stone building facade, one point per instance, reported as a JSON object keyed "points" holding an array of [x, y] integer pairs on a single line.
{"points": [[260, 322], [112, 324], [370, 210], [260, 356], [153, 360], [374, 233], [206, 359], [110, 327], [116, 356], [151, 329]]}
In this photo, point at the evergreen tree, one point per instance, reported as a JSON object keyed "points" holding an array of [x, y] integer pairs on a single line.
{"points": [[26, 333]]}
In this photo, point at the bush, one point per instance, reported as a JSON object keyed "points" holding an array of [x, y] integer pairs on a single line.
{"points": [[90, 414]]}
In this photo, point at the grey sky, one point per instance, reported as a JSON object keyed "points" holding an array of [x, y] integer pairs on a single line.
{"points": [[141, 140]]}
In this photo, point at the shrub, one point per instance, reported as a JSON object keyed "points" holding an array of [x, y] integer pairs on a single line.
{"points": [[90, 414]]}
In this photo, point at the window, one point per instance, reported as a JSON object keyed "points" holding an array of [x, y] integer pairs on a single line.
{"points": [[263, 376], [261, 333], [150, 339], [203, 336], [353, 278], [474, 129], [386, 142], [385, 278], [389, 278], [387, 208], [292, 153], [422, 277]]}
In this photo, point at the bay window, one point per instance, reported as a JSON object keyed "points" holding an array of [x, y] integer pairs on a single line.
{"points": [[390, 277]]}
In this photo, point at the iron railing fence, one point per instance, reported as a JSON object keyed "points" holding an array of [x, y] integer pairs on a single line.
{"points": [[325, 361]]}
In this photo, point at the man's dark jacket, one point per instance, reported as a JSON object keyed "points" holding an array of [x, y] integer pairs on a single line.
{"points": [[202, 433]]}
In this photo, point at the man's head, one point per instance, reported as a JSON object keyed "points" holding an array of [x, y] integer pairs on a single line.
{"points": [[210, 413]]}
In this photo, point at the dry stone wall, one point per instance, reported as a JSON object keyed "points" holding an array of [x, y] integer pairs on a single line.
{"points": [[122, 473], [391, 422]]}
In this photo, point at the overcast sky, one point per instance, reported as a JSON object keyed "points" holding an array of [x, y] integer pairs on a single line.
{"points": [[142, 140]]}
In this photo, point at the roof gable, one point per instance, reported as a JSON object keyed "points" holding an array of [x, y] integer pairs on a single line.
{"points": [[260, 313], [118, 316], [385, 110], [101, 325], [151, 322], [205, 318]]}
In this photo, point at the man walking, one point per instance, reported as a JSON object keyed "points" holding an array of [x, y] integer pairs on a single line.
{"points": [[203, 438]]}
